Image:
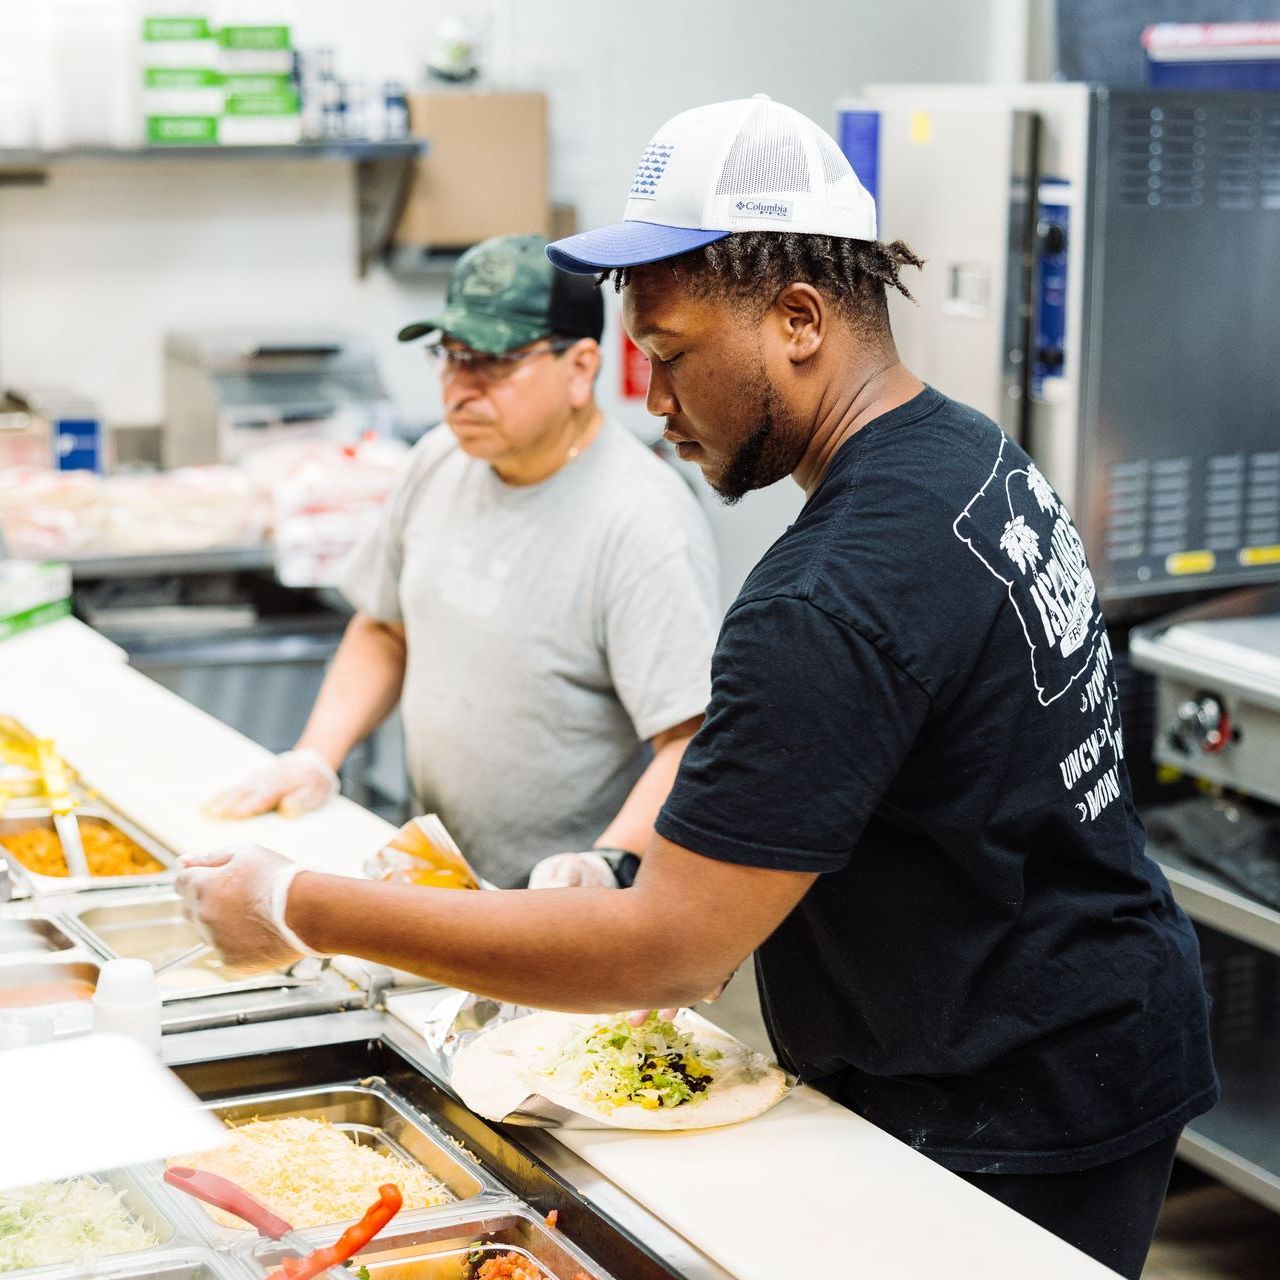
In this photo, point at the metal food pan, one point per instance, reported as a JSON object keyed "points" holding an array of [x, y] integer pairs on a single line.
{"points": [[442, 1250], [52, 980], [30, 937], [166, 1264], [152, 927], [14, 821], [372, 1116], [167, 1229], [20, 783]]}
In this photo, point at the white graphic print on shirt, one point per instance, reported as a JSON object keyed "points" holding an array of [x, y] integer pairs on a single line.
{"points": [[1017, 526]]}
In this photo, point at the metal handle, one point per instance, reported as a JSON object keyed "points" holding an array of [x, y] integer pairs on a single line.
{"points": [[267, 351], [182, 958]]}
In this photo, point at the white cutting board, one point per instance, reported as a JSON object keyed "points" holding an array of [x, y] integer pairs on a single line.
{"points": [[157, 759], [807, 1179]]}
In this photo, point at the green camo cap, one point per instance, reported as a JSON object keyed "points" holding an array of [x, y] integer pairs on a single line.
{"points": [[505, 294]]}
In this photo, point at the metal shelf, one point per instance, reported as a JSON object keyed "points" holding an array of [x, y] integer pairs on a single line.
{"points": [[337, 149], [1210, 900], [1238, 1142], [155, 564], [383, 171]]}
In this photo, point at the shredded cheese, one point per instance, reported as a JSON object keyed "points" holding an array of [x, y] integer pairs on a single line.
{"points": [[312, 1174]]}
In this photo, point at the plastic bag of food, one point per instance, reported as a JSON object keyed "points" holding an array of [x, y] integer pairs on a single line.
{"points": [[422, 852]]}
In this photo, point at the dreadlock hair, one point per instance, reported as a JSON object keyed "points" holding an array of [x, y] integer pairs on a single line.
{"points": [[753, 267]]}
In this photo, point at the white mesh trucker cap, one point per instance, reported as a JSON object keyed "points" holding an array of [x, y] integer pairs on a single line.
{"points": [[748, 165]]}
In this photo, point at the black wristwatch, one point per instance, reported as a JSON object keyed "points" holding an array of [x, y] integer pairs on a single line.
{"points": [[622, 863]]}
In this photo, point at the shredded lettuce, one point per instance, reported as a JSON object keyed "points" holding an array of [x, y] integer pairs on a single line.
{"points": [[74, 1221], [654, 1065]]}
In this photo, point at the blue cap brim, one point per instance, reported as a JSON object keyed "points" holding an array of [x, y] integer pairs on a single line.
{"points": [[625, 244]]}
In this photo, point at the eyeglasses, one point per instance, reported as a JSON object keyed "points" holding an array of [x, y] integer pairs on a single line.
{"points": [[488, 368]]}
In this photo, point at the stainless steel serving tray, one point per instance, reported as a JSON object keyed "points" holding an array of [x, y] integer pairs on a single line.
{"points": [[236, 1066], [18, 977], [372, 1115], [168, 1227], [151, 926], [33, 936], [438, 1251], [188, 1263], [16, 819]]}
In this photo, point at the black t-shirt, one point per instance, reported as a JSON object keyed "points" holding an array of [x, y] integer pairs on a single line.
{"points": [[913, 695]]}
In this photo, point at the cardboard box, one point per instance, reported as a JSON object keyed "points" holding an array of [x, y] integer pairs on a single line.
{"points": [[485, 172]]}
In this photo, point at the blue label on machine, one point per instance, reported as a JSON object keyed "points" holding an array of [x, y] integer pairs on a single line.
{"points": [[78, 444], [860, 142], [1053, 230]]}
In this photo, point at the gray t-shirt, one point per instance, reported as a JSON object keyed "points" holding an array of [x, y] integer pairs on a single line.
{"points": [[551, 630]]}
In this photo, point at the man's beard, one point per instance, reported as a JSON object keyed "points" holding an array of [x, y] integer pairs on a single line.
{"points": [[771, 451]]}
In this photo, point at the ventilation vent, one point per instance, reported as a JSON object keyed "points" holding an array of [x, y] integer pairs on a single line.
{"points": [[767, 156], [1162, 156], [1262, 500], [1249, 160]]}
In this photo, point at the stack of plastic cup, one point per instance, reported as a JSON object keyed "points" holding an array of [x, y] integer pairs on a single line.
{"points": [[127, 1001], [18, 1029]]}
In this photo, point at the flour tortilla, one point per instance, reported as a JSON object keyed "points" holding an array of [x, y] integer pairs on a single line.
{"points": [[497, 1071]]}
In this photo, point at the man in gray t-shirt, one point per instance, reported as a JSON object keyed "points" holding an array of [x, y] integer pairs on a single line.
{"points": [[540, 596]]}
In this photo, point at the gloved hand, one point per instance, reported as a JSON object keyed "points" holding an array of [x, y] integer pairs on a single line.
{"points": [[293, 783], [236, 899], [573, 871]]}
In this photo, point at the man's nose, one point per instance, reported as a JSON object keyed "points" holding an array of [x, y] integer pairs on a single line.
{"points": [[459, 373], [459, 386], [659, 399]]}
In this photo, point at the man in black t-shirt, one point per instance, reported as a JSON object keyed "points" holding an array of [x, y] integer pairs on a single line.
{"points": [[909, 796], [914, 700]]}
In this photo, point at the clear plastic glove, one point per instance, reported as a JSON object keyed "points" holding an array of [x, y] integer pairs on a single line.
{"points": [[293, 783], [236, 899], [573, 871]]}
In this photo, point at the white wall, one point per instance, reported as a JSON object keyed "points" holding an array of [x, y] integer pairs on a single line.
{"points": [[99, 264]]}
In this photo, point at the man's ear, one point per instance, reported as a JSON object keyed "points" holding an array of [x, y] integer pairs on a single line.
{"points": [[800, 312], [583, 361]]}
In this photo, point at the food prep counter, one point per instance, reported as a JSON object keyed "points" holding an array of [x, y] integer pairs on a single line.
{"points": [[778, 1196]]}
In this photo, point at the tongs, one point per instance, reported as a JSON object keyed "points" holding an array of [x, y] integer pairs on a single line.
{"points": [[56, 786], [224, 1194], [185, 957], [20, 746]]}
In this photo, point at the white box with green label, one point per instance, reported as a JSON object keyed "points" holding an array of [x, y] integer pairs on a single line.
{"points": [[261, 103], [31, 593], [182, 94]]}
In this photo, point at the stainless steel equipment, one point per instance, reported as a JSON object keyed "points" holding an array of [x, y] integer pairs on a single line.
{"points": [[1093, 284], [1218, 690], [338, 1058], [151, 926], [372, 1116], [19, 821], [443, 1250], [227, 393]]}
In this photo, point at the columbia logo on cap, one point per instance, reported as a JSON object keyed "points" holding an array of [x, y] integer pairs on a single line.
{"points": [[765, 208]]}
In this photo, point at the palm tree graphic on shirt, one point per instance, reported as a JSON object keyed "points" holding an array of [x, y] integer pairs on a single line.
{"points": [[1021, 543]]}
